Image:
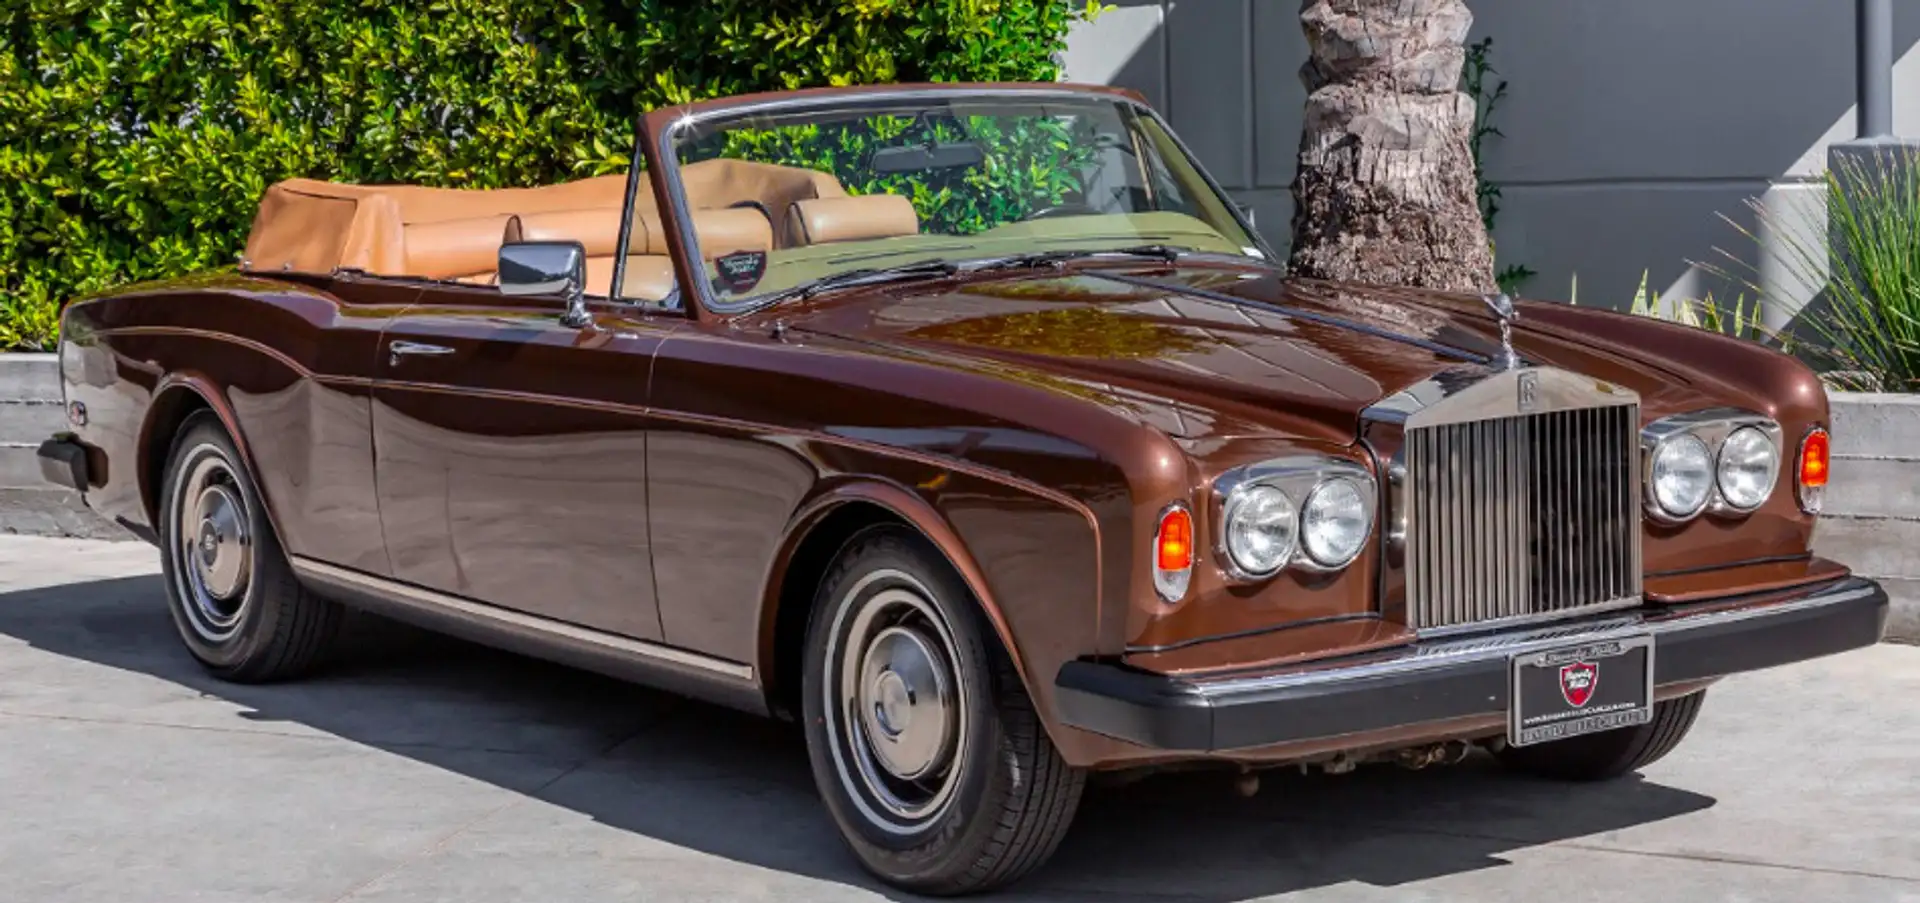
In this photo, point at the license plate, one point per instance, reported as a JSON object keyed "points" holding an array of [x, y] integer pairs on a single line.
{"points": [[1584, 689]]}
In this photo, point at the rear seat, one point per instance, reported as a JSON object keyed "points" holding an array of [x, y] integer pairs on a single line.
{"points": [[468, 250], [649, 269], [311, 226], [465, 250]]}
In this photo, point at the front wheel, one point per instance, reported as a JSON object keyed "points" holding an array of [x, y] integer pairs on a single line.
{"points": [[923, 741], [1609, 754]]}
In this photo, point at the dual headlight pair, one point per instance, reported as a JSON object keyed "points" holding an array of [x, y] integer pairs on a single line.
{"points": [[1311, 513], [1263, 529], [1721, 461]]}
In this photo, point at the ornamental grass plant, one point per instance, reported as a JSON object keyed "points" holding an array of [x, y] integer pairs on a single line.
{"points": [[1862, 329]]}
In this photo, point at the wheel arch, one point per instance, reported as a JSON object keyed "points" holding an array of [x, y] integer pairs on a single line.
{"points": [[815, 536], [176, 399]]}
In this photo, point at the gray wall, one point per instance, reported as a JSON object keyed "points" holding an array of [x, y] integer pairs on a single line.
{"points": [[1871, 520], [1632, 125], [30, 411]]}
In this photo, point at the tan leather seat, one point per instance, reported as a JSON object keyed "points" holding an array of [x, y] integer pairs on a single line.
{"points": [[719, 232], [649, 277], [649, 269], [862, 218], [724, 183], [460, 249], [455, 234]]}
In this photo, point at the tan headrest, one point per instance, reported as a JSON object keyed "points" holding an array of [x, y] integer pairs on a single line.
{"points": [[731, 229], [453, 248], [861, 218]]}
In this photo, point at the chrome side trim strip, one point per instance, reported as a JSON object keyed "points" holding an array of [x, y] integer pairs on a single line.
{"points": [[1427, 656], [408, 594]]}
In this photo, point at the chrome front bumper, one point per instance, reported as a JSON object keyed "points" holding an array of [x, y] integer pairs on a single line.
{"points": [[1458, 677]]}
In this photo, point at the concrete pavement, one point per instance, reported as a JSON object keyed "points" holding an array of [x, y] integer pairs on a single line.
{"points": [[427, 769]]}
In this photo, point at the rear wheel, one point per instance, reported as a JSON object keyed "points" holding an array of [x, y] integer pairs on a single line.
{"points": [[232, 593], [924, 745], [1609, 754]]}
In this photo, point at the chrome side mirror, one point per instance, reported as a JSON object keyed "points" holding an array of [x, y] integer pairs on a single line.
{"points": [[547, 268]]}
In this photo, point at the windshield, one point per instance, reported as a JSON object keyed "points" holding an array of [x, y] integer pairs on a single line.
{"points": [[782, 198]]}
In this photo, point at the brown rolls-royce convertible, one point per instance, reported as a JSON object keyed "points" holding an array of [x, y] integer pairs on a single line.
{"points": [[974, 428]]}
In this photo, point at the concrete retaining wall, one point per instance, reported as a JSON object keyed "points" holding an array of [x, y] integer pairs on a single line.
{"points": [[1872, 507], [1872, 515], [30, 411]]}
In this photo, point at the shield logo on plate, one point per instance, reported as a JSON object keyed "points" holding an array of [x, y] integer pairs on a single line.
{"points": [[1577, 682]]}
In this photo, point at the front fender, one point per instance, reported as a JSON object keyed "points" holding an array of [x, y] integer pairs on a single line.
{"points": [[1031, 559]]}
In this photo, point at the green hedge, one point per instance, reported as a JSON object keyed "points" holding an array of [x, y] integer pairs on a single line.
{"points": [[139, 134]]}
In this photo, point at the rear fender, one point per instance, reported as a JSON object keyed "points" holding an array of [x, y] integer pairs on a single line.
{"points": [[155, 447]]}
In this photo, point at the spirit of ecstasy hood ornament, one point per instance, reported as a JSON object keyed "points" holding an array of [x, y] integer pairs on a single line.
{"points": [[1502, 307]]}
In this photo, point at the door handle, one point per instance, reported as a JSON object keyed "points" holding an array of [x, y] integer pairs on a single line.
{"points": [[396, 349]]}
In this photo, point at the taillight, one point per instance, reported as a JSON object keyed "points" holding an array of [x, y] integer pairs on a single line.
{"points": [[1173, 553], [1815, 451]]}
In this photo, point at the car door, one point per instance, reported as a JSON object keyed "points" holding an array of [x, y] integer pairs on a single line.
{"points": [[510, 454]]}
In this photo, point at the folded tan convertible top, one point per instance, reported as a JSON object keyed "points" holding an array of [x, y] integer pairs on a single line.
{"points": [[315, 227]]}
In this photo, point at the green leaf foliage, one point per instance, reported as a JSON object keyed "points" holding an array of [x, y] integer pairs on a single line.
{"points": [[139, 135], [1032, 162]]}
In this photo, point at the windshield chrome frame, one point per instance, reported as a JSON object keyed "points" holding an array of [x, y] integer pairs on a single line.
{"points": [[683, 214]]}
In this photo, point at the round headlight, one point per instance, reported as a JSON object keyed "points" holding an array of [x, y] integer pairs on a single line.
{"points": [[1749, 464], [1682, 477], [1260, 530], [1335, 523]]}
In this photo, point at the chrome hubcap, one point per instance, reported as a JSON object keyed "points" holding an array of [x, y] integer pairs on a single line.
{"points": [[896, 708], [906, 703], [222, 546], [212, 550]]}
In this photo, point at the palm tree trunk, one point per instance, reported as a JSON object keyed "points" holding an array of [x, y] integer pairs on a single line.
{"points": [[1385, 189]]}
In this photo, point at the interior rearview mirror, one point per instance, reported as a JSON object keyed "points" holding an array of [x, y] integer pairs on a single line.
{"points": [[920, 158], [547, 268]]}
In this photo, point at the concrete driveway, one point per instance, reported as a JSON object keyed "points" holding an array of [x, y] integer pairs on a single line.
{"points": [[426, 769]]}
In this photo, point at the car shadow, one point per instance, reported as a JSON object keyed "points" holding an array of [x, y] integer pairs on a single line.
{"points": [[738, 787]]}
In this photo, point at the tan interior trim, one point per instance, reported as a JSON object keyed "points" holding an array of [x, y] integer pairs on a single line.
{"points": [[312, 226], [862, 218]]}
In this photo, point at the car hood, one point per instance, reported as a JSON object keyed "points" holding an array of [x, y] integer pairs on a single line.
{"points": [[1206, 351]]}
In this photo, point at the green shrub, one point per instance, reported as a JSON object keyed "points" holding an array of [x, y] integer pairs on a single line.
{"points": [[140, 134], [1033, 162], [1863, 330]]}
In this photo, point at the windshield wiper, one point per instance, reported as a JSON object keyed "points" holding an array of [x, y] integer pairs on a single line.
{"points": [[926, 269], [1055, 258]]}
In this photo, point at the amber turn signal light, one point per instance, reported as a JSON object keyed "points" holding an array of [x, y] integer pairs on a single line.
{"points": [[1173, 553], [1814, 454]]}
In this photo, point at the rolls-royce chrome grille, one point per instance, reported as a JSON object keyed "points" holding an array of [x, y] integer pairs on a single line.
{"points": [[1525, 516]]}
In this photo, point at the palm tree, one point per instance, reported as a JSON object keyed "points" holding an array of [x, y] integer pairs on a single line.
{"points": [[1385, 189]]}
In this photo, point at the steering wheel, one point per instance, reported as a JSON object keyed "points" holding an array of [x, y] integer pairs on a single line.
{"points": [[1063, 210]]}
